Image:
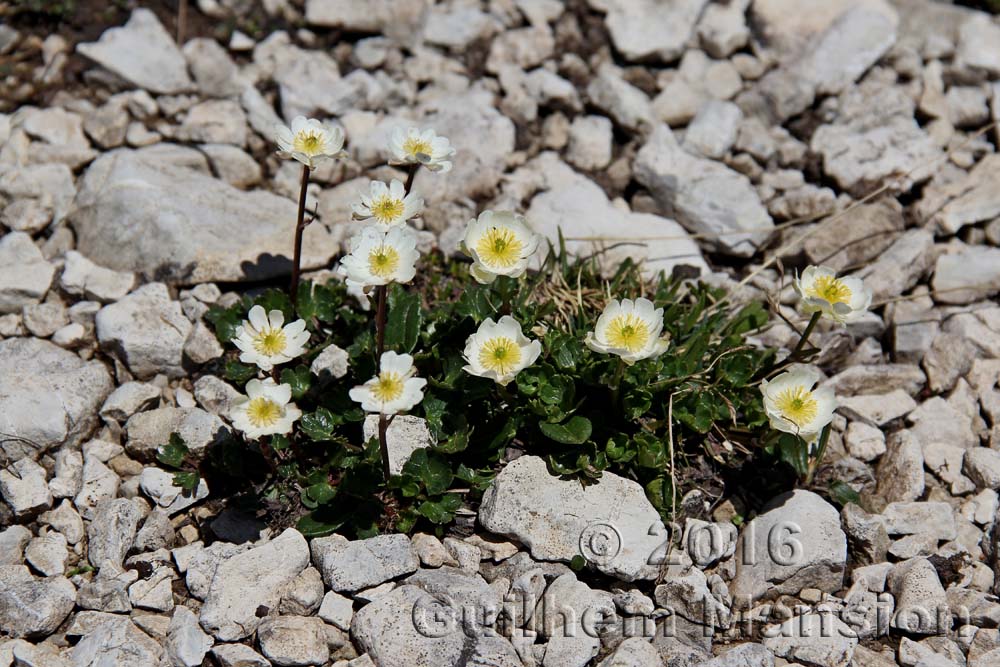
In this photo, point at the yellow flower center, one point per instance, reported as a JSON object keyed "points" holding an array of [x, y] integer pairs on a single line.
{"points": [[387, 209], [499, 247], [263, 412], [500, 354], [797, 405], [389, 387], [383, 261], [628, 332], [308, 142], [416, 146], [830, 289], [270, 342]]}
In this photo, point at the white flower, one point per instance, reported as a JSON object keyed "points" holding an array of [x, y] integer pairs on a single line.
{"points": [[265, 342], [265, 410], [394, 389], [500, 244], [309, 140], [411, 146], [630, 329], [794, 406], [841, 299], [380, 257], [388, 206], [499, 350]]}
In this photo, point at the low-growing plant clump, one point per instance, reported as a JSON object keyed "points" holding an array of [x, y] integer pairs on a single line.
{"points": [[594, 371]]}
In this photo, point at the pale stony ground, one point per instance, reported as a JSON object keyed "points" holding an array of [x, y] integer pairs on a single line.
{"points": [[702, 124]]}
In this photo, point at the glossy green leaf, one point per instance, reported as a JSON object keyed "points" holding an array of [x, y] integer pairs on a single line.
{"points": [[404, 320], [575, 431], [173, 453]]}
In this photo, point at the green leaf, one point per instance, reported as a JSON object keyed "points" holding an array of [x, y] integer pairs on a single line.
{"points": [[402, 328], [637, 403], [305, 304], [658, 491], [842, 493], [578, 563], [475, 479], [321, 492], [173, 453], [441, 511], [186, 480], [225, 321], [318, 523], [239, 373], [454, 444], [276, 299], [794, 451], [474, 302], [319, 425], [299, 378], [433, 471], [575, 431]]}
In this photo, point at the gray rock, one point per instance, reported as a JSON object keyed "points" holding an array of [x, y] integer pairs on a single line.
{"points": [[214, 122], [214, 71], [201, 345], [624, 103], [187, 645], [130, 398], [785, 31], [743, 655], [116, 643], [395, 18], [214, 395], [353, 565], [456, 26], [293, 640], [32, 607], [579, 208], [912, 518], [245, 582], [48, 396], [564, 610], [877, 379], [337, 610], [238, 655], [50, 183], [705, 196], [98, 482], [967, 276], [646, 29], [25, 488], [146, 331], [982, 465], [81, 277], [233, 165], [796, 543], [13, 540], [723, 28], [330, 364], [44, 319], [978, 49], [25, 276], [591, 139], [143, 53], [864, 441], [875, 137], [819, 639], [112, 531], [156, 533], [304, 594], [969, 200], [431, 635], [937, 420], [47, 553], [867, 534], [200, 563], [633, 652], [158, 484], [107, 124], [154, 592], [165, 239], [405, 435], [611, 520], [921, 604], [148, 431], [901, 469], [713, 130]]}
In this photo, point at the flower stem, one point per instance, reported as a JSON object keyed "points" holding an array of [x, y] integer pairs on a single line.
{"points": [[805, 334], [410, 176], [820, 450], [300, 225], [383, 422], [616, 381], [380, 321]]}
